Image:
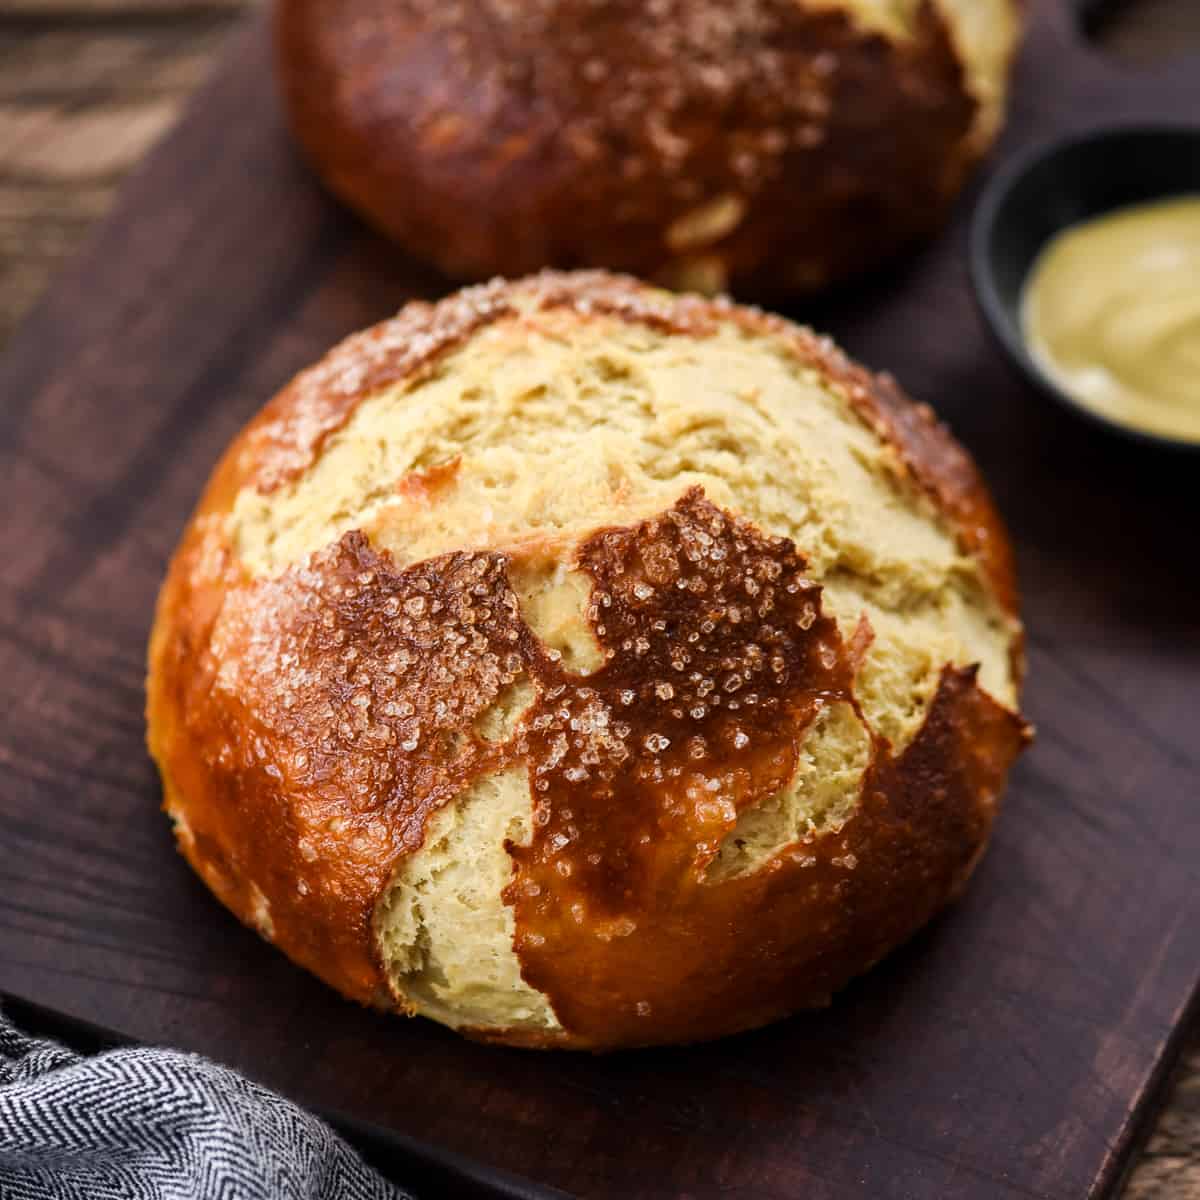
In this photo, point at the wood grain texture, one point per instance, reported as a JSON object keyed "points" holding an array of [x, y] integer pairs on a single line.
{"points": [[80, 104], [1006, 1053]]}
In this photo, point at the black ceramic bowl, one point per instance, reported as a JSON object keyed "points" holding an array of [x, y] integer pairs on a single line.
{"points": [[1041, 193]]}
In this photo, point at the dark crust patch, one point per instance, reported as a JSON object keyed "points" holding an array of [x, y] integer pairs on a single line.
{"points": [[311, 723], [706, 960], [615, 920], [499, 138], [308, 726], [721, 659], [287, 437]]}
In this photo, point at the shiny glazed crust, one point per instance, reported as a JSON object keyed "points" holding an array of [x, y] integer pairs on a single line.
{"points": [[296, 808], [765, 148]]}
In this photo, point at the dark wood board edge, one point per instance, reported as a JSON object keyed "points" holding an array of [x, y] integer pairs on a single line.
{"points": [[1147, 1107]]}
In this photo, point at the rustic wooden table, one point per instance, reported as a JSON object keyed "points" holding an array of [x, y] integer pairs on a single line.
{"points": [[86, 86]]}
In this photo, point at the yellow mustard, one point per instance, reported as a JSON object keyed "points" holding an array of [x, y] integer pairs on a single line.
{"points": [[1111, 312]]}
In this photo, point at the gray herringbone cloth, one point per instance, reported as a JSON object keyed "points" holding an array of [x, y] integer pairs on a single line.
{"points": [[157, 1125]]}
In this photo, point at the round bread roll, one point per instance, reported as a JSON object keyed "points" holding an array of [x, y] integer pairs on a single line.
{"points": [[768, 147], [583, 665]]}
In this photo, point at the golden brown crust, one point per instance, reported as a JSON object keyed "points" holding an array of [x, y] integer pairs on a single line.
{"points": [[817, 916], [500, 138], [308, 725], [721, 659]]}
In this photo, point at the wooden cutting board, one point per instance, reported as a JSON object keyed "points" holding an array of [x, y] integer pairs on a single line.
{"points": [[1013, 1050]]}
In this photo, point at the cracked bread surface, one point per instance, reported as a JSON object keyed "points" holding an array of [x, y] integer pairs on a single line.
{"points": [[578, 664]]}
